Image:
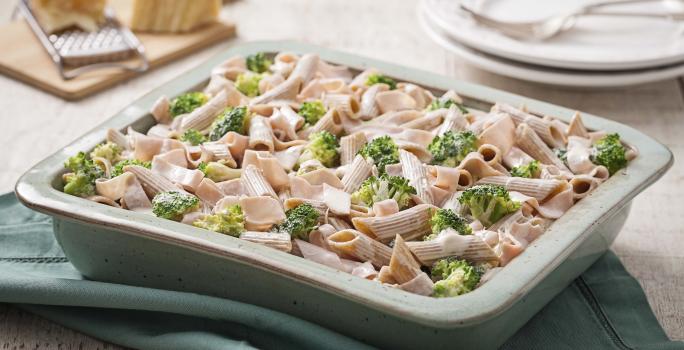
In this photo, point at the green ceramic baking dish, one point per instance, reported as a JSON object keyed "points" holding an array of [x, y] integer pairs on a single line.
{"points": [[110, 244]]}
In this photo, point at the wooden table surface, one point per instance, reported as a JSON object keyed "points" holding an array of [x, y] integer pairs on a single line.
{"points": [[651, 245]]}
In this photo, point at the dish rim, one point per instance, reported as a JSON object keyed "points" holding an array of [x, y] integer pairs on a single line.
{"points": [[35, 190]]}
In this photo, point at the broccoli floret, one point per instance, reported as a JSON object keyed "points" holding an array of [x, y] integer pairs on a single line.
{"points": [[218, 172], [381, 79], [232, 119], [79, 184], [118, 167], [258, 62], [454, 277], [376, 189], [110, 151], [528, 170], [248, 84], [186, 103], [173, 205], [312, 111], [85, 172], [323, 147], [488, 203], [446, 103], [609, 152], [299, 222], [194, 137], [383, 151], [229, 221], [446, 218], [451, 148]]}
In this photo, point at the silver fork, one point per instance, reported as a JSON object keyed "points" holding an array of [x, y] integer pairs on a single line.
{"points": [[551, 26]]}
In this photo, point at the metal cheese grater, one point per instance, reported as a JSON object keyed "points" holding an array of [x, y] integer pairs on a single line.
{"points": [[76, 52]]}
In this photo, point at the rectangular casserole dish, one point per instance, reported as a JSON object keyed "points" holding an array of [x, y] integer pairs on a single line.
{"points": [[109, 244]]}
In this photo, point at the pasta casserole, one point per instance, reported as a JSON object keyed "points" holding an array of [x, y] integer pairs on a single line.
{"points": [[383, 179]]}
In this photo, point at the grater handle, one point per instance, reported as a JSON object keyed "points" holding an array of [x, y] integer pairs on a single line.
{"points": [[68, 74]]}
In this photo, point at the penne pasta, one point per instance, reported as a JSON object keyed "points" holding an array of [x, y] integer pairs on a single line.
{"points": [[350, 145], [552, 135], [529, 142], [354, 244], [152, 183], [410, 224], [260, 134], [414, 171], [403, 265], [359, 170], [469, 247], [277, 240], [541, 189], [255, 184]]}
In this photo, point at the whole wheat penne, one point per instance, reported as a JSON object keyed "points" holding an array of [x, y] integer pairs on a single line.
{"points": [[576, 127], [469, 247], [277, 240], [414, 171], [550, 133], [403, 265], [286, 90], [305, 68], [528, 141], [490, 153], [385, 276], [350, 146], [339, 223], [369, 109], [345, 104], [540, 189], [220, 152], [202, 117], [453, 121], [410, 224], [160, 110], [152, 183], [330, 122], [260, 134], [429, 121], [354, 244], [582, 185], [255, 184], [359, 170]]}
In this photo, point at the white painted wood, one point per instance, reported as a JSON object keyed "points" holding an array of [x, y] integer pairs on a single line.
{"points": [[34, 124]]}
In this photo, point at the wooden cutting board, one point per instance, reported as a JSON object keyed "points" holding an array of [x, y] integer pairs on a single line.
{"points": [[25, 59]]}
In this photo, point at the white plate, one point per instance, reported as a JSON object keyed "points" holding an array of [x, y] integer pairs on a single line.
{"points": [[546, 75], [595, 43]]}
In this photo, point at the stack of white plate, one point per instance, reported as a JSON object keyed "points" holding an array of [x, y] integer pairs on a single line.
{"points": [[599, 51]]}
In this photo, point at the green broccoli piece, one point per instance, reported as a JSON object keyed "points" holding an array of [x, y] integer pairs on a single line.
{"points": [[609, 152], [118, 167], [248, 84], [381, 79], [323, 147], [79, 184], [528, 170], [110, 151], [446, 218], [186, 103], [85, 172], [488, 203], [258, 63], [454, 277], [451, 148], [229, 221], [299, 222], [173, 205], [194, 137], [232, 119], [383, 151], [312, 111], [376, 189], [446, 103], [218, 172]]}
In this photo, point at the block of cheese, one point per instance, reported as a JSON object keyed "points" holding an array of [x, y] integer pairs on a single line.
{"points": [[173, 16], [55, 15]]}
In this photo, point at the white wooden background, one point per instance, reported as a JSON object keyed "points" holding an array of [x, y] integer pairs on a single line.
{"points": [[651, 245]]}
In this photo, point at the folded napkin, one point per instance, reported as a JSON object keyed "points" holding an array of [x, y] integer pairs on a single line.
{"points": [[604, 308]]}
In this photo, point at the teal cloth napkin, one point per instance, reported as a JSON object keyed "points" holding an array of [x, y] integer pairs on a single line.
{"points": [[605, 308]]}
